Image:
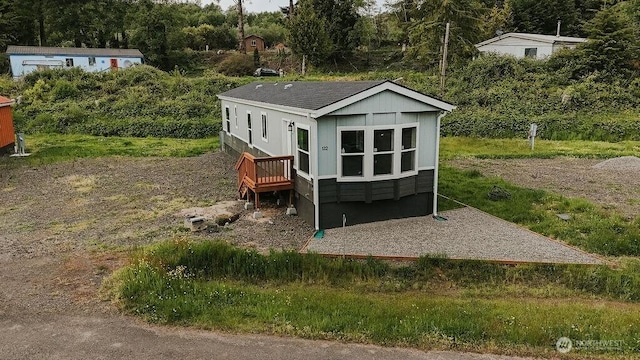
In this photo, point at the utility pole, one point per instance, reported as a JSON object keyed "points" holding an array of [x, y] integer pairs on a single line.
{"points": [[444, 60], [241, 28], [290, 8]]}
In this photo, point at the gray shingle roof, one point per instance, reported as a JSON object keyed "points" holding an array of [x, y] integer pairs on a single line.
{"points": [[310, 95], [41, 50]]}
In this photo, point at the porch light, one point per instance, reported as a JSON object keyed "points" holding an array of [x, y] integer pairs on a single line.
{"points": [[290, 126]]}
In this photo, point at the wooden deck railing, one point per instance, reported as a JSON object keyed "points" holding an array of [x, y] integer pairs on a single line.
{"points": [[263, 174]]}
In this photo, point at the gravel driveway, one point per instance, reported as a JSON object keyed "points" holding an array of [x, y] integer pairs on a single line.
{"points": [[467, 234]]}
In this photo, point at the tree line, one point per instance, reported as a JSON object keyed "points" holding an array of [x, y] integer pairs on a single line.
{"points": [[324, 30]]}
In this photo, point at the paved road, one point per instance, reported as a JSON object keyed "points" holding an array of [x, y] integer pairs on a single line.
{"points": [[118, 337]]}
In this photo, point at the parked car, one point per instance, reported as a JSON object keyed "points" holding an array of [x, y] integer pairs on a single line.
{"points": [[265, 72]]}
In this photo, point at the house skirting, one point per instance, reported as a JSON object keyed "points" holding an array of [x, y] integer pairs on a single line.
{"points": [[363, 202]]}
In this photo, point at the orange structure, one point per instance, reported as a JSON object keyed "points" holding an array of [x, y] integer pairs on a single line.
{"points": [[7, 134]]}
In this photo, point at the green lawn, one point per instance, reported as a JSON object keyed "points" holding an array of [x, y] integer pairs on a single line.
{"points": [[50, 148], [465, 147]]}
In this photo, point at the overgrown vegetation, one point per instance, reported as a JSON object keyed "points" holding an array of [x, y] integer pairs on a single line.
{"points": [[215, 285], [497, 97], [138, 102]]}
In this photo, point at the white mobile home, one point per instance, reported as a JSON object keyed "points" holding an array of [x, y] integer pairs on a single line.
{"points": [[523, 45], [361, 151], [27, 59]]}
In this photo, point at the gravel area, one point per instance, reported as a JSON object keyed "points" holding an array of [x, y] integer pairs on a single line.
{"points": [[467, 234]]}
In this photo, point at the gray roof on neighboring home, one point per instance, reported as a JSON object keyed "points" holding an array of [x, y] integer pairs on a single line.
{"points": [[310, 95], [71, 51]]}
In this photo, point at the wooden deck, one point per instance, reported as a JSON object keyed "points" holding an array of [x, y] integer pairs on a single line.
{"points": [[264, 174]]}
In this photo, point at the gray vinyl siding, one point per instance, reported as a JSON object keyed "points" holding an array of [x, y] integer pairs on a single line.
{"points": [[385, 102], [275, 143], [427, 137]]}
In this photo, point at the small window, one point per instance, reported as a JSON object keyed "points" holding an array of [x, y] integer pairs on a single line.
{"points": [[69, 62], [303, 150], [249, 128], [531, 52], [263, 117], [408, 156], [227, 121], [92, 61], [253, 43], [235, 114]]}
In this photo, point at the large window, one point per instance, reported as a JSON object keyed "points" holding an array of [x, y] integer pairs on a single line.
{"points": [[263, 117], [377, 152], [352, 152], [303, 150]]}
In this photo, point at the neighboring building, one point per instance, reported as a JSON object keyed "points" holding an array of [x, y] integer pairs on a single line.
{"points": [[252, 42], [7, 135], [523, 45], [360, 151], [27, 59]]}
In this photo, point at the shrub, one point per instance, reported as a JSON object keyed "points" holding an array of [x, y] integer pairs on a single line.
{"points": [[237, 65]]}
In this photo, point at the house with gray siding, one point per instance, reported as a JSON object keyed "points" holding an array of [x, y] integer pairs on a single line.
{"points": [[27, 59], [361, 151]]}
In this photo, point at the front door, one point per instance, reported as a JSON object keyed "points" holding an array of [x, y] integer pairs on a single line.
{"points": [[114, 64], [287, 133]]}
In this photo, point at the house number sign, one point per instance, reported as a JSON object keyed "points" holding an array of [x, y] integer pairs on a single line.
{"points": [[325, 148]]}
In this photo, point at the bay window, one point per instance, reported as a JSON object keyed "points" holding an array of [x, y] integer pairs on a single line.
{"points": [[377, 152]]}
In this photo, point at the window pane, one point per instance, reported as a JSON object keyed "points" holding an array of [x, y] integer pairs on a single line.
{"points": [[408, 161], [408, 138], [352, 141], [303, 162], [249, 121], [226, 113], [383, 164], [303, 139], [383, 140], [352, 165]]}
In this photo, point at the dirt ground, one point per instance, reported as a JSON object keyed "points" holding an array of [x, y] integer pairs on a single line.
{"points": [[65, 226], [616, 189]]}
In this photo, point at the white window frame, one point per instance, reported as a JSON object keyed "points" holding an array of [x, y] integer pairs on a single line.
{"points": [[264, 123], [235, 113], [303, 174], [535, 50], [254, 43], [249, 129], [92, 61], [227, 120], [367, 166]]}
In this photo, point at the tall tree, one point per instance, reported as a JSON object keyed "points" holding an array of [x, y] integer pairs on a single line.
{"points": [[426, 35], [308, 34], [612, 47]]}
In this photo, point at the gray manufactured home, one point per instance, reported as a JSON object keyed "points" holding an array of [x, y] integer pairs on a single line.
{"points": [[354, 152]]}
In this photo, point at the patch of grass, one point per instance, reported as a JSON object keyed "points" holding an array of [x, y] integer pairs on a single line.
{"points": [[590, 228], [50, 148], [436, 303], [470, 147]]}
